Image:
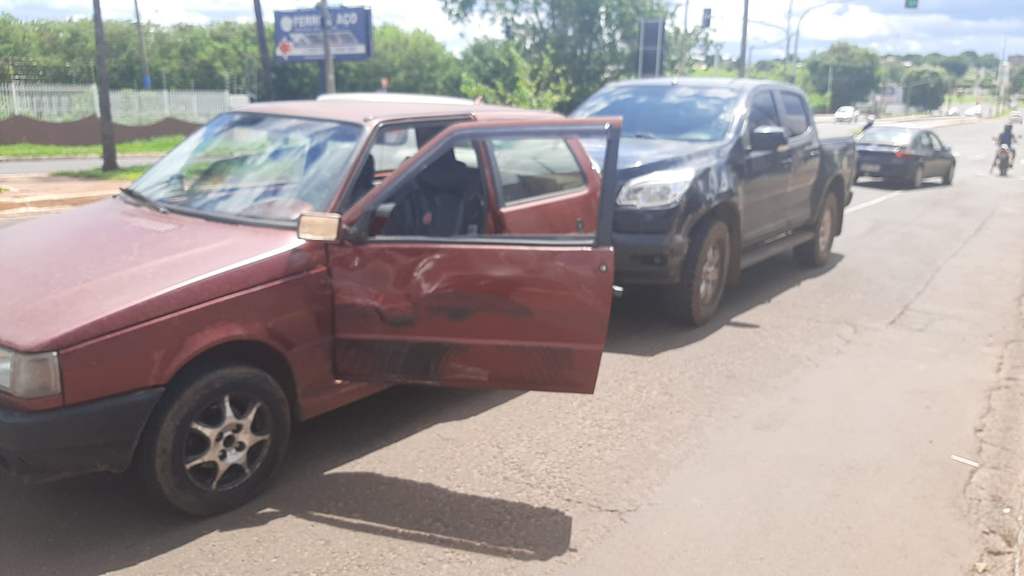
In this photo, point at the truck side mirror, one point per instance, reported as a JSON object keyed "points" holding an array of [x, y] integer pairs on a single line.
{"points": [[320, 226], [768, 139]]}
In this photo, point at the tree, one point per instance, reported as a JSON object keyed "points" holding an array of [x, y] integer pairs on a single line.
{"points": [[955, 66], [586, 42], [854, 73], [495, 71], [1017, 80], [926, 87]]}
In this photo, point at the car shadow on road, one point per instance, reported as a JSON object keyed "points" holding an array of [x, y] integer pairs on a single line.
{"points": [[640, 327], [102, 523]]}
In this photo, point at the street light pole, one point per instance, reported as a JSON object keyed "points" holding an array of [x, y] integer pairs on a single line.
{"points": [[325, 16], [800, 22], [743, 42], [146, 80], [261, 37]]}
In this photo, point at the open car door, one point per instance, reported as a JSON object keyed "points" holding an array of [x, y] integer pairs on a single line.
{"points": [[463, 304]]}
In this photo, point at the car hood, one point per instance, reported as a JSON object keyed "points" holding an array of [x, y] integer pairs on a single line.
{"points": [[94, 270], [638, 156]]}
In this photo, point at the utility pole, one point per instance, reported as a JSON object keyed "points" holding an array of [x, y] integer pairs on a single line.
{"points": [[789, 37], [147, 82], [686, 17], [103, 79], [325, 16], [743, 42], [266, 85]]}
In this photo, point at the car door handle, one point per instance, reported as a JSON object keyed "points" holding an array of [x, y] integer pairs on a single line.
{"points": [[814, 153], [398, 316]]}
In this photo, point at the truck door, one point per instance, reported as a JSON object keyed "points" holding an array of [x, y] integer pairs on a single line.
{"points": [[805, 154], [438, 298], [765, 175]]}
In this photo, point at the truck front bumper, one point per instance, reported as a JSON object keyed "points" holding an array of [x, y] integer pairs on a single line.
{"points": [[100, 436], [644, 259]]}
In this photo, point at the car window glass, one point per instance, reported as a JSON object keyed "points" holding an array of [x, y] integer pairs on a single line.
{"points": [[443, 199], [532, 167], [763, 111], [795, 120], [392, 147], [936, 143]]}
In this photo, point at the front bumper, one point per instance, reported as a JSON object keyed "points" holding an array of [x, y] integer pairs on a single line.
{"points": [[642, 259], [100, 436]]}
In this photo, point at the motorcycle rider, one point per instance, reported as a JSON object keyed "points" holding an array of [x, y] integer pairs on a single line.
{"points": [[1007, 138]]}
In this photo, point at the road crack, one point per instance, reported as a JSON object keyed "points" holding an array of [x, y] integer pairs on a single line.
{"points": [[935, 273]]}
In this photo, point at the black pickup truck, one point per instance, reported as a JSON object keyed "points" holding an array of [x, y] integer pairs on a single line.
{"points": [[716, 175]]}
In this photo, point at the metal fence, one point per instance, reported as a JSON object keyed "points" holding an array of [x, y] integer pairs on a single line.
{"points": [[69, 102]]}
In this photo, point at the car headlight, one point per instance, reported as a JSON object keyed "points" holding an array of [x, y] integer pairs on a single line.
{"points": [[657, 190], [29, 375]]}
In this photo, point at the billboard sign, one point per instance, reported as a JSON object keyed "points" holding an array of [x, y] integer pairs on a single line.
{"points": [[299, 36]]}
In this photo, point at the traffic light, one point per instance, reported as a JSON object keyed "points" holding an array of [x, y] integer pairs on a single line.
{"points": [[707, 18], [911, 3]]}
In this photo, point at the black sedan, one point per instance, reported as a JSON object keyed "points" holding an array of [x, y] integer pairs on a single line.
{"points": [[906, 155]]}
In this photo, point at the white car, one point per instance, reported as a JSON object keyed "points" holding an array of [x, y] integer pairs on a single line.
{"points": [[954, 111], [975, 111], [846, 114], [1017, 117]]}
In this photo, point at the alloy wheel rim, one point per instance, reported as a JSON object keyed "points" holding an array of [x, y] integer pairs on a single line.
{"points": [[227, 443], [711, 273]]}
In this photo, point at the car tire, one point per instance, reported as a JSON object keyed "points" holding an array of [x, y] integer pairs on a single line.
{"points": [[917, 179], [816, 253], [696, 297], [950, 174], [201, 459]]}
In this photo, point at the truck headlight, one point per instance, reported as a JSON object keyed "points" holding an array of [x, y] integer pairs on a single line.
{"points": [[29, 375], [658, 189]]}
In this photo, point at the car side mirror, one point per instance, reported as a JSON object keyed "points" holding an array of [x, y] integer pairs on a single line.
{"points": [[768, 139], [320, 227]]}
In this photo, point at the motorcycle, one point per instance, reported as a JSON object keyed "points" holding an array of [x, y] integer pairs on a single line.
{"points": [[1003, 159]]}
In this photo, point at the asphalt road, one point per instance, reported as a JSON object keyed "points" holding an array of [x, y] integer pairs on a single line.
{"points": [[809, 430]]}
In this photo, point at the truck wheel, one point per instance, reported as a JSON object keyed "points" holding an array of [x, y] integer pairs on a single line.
{"points": [[695, 299], [816, 252], [215, 443]]}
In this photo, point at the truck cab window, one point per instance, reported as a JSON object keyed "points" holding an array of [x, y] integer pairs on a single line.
{"points": [[796, 119], [763, 111]]}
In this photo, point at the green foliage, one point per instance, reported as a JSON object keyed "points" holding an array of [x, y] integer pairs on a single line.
{"points": [[926, 87], [1017, 79], [160, 145], [855, 73], [586, 42], [495, 71]]}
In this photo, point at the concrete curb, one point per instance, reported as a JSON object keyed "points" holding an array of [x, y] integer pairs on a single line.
{"points": [[35, 158]]}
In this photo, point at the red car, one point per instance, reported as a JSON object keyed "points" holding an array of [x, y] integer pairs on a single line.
{"points": [[290, 258]]}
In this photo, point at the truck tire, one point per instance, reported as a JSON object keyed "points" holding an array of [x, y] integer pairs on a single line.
{"points": [[214, 443], [696, 297], [816, 252]]}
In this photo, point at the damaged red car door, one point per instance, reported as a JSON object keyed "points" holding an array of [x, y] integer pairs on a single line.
{"points": [[467, 301]]}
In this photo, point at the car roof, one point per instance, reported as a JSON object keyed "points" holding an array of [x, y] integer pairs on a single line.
{"points": [[370, 109]]}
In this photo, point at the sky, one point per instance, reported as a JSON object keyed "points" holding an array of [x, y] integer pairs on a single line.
{"points": [[945, 26]]}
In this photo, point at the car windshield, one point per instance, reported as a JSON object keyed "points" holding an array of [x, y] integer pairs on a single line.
{"points": [[886, 136], [702, 114], [254, 166]]}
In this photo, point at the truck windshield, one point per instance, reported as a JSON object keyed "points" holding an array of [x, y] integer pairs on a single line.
{"points": [[254, 166], [701, 114]]}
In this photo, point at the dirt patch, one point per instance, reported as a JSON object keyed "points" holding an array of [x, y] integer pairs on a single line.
{"points": [[994, 490], [84, 132]]}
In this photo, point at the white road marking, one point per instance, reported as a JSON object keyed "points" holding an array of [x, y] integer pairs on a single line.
{"points": [[963, 460], [870, 203]]}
